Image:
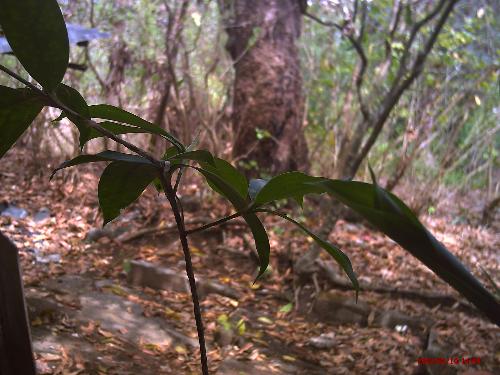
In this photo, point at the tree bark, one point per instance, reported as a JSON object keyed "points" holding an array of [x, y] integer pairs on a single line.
{"points": [[268, 97]]}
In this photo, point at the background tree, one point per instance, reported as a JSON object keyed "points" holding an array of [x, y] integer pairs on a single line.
{"points": [[198, 92], [268, 102]]}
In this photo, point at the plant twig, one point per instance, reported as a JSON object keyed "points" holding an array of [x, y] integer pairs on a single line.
{"points": [[356, 43], [215, 223], [21, 79], [171, 196], [399, 88]]}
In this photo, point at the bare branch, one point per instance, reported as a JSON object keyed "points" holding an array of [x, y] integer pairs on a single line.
{"points": [[356, 43], [413, 33], [397, 90]]}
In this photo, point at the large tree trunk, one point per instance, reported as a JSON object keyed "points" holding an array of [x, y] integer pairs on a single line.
{"points": [[268, 96]]}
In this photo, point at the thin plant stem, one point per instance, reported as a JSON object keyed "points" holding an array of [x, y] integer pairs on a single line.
{"points": [[171, 196], [214, 223]]}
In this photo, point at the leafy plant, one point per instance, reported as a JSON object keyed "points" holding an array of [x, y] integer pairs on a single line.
{"points": [[41, 45]]}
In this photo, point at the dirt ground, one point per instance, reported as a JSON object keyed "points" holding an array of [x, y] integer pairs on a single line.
{"points": [[87, 319]]}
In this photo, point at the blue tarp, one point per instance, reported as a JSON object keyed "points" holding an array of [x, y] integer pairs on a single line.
{"points": [[76, 34]]}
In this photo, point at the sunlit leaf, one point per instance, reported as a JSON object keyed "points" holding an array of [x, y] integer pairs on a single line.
{"points": [[115, 128], [170, 152], [286, 308], [109, 112]]}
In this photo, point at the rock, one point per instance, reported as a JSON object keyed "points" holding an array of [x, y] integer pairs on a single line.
{"points": [[40, 307], [126, 318], [396, 320], [115, 313], [42, 215], [95, 234], [323, 341], [13, 211], [69, 284], [46, 259], [207, 287], [146, 274], [338, 310]]}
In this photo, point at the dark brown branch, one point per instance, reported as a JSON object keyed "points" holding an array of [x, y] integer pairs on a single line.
{"points": [[397, 90], [324, 23], [171, 196], [21, 79], [356, 43], [214, 223], [413, 33], [355, 11], [427, 297]]}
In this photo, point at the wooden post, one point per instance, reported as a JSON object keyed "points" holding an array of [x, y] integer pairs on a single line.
{"points": [[16, 353]]}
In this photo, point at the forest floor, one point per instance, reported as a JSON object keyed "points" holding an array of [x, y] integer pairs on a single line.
{"points": [[88, 319]]}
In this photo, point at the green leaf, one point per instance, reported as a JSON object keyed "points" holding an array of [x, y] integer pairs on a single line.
{"points": [[103, 156], [334, 251], [230, 174], [38, 37], [170, 152], [109, 112], [261, 241], [157, 185], [115, 128], [18, 109], [382, 200], [259, 233], [201, 156], [288, 185], [223, 186], [195, 142], [286, 308], [223, 320], [61, 116], [121, 184], [72, 99], [389, 214]]}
